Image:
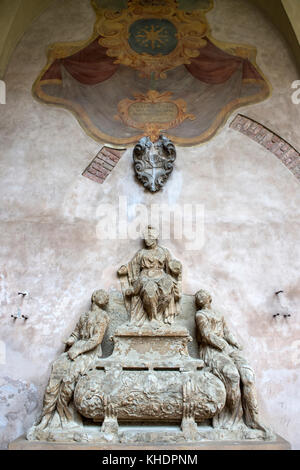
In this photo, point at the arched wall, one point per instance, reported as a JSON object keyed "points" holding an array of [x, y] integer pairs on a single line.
{"points": [[292, 8], [16, 16], [284, 14], [50, 221]]}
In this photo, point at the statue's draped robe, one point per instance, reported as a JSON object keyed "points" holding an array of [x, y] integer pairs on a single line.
{"points": [[228, 366], [88, 335], [148, 266]]}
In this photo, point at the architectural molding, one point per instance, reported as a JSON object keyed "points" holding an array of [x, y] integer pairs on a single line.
{"points": [[286, 153], [104, 162]]}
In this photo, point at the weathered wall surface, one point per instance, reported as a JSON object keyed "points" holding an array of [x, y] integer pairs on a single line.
{"points": [[292, 8], [50, 222], [283, 14], [15, 18]]}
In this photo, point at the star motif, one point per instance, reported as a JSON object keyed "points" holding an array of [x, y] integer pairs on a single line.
{"points": [[153, 36]]}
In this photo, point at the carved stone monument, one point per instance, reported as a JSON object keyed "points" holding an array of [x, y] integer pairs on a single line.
{"points": [[221, 351], [153, 162], [150, 377]]}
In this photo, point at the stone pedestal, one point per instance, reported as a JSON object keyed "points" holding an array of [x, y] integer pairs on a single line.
{"points": [[278, 444]]}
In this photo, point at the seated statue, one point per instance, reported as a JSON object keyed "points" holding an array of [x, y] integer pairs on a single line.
{"points": [[83, 349], [151, 283], [220, 350]]}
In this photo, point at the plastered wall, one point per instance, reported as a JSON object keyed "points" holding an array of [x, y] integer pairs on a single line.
{"points": [[16, 17], [50, 222], [292, 8]]}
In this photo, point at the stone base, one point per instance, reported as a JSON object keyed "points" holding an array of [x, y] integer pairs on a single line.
{"points": [[279, 444]]}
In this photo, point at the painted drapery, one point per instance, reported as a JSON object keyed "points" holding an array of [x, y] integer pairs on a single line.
{"points": [[151, 67]]}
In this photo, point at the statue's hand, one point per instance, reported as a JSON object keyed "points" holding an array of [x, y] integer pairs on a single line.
{"points": [[72, 355], [129, 292], [73, 352], [235, 344], [70, 341], [222, 345], [122, 271]]}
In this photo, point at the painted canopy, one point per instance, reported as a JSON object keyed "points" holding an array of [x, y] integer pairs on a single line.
{"points": [[151, 67]]}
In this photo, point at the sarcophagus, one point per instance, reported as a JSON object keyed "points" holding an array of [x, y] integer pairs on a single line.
{"points": [[149, 377]]}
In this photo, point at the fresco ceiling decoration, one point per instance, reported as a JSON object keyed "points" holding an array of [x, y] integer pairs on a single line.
{"points": [[151, 67]]}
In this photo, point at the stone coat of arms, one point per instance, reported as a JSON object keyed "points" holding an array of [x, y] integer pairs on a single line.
{"points": [[154, 162]]}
